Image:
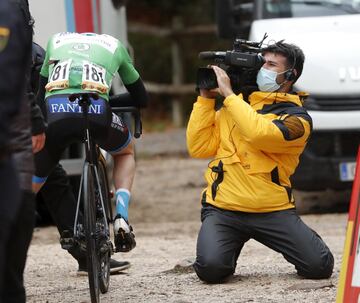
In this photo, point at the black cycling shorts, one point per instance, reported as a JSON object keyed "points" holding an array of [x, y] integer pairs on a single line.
{"points": [[66, 126]]}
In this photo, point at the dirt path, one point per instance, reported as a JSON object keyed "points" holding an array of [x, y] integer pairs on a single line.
{"points": [[165, 215]]}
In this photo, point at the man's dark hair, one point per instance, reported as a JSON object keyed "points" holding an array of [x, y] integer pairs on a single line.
{"points": [[294, 55]]}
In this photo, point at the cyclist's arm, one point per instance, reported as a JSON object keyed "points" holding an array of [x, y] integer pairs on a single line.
{"points": [[138, 93], [132, 80], [135, 92], [120, 100]]}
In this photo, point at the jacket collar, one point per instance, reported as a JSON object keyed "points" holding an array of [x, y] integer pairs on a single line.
{"points": [[259, 99]]}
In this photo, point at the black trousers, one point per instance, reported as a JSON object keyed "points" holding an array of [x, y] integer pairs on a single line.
{"points": [[58, 196], [16, 249], [224, 233], [10, 202]]}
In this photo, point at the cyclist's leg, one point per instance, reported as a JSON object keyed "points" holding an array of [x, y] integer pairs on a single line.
{"points": [[124, 171], [58, 135], [44, 163], [60, 200], [123, 175], [57, 194], [59, 197], [119, 144], [47, 159], [124, 167]]}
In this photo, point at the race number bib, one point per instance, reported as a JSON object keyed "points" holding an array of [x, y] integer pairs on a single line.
{"points": [[93, 78], [59, 78]]}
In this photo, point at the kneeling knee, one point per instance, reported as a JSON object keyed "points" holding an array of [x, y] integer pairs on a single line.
{"points": [[322, 268], [212, 272]]}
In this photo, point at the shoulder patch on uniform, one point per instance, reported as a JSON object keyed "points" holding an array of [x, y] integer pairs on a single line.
{"points": [[295, 127], [291, 127], [4, 37]]}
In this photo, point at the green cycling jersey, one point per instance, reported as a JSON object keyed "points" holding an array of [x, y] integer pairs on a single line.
{"points": [[85, 62]]}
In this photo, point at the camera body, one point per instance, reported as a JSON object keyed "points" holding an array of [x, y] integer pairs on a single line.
{"points": [[241, 65]]}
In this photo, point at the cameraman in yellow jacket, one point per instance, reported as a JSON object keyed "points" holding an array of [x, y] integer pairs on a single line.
{"points": [[255, 148]]}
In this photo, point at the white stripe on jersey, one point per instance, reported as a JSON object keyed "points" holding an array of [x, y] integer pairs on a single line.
{"points": [[106, 41]]}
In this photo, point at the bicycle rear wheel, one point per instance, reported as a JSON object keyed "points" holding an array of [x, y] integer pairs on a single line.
{"points": [[104, 274], [90, 232]]}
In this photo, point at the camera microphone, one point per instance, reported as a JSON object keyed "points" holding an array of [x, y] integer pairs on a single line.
{"points": [[212, 55]]}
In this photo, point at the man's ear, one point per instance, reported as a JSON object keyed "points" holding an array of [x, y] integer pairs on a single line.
{"points": [[295, 73]]}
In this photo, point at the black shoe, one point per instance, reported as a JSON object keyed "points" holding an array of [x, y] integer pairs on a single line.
{"points": [[115, 267], [124, 236], [67, 239]]}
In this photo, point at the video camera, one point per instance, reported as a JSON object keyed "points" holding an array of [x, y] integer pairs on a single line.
{"points": [[241, 65]]}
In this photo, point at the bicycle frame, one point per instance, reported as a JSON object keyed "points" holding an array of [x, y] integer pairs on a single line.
{"points": [[90, 158], [96, 226]]}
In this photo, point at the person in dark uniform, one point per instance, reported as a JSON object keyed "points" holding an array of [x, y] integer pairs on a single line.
{"points": [[15, 57]]}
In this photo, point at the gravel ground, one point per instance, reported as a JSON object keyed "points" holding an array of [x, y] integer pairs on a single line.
{"points": [[165, 215]]}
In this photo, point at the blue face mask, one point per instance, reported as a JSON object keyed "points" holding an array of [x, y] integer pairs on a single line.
{"points": [[266, 80]]}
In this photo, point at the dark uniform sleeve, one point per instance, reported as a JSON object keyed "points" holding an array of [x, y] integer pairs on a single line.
{"points": [[38, 125], [15, 39]]}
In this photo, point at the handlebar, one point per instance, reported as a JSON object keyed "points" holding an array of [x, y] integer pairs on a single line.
{"points": [[122, 103], [136, 112]]}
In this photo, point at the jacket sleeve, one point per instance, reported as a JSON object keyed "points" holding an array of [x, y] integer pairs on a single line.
{"points": [[40, 96], [202, 133], [15, 58], [38, 125], [264, 134]]}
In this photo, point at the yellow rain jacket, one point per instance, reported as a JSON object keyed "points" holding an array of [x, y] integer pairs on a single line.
{"points": [[255, 148]]}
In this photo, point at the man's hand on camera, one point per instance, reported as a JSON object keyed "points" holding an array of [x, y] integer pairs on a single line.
{"points": [[223, 80]]}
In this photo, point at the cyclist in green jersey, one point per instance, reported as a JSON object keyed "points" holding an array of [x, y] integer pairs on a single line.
{"points": [[88, 62]]}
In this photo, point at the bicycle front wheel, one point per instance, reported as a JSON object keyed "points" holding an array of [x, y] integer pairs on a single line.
{"points": [[90, 232]]}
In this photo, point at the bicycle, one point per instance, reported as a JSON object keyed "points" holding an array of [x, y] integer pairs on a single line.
{"points": [[96, 203]]}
